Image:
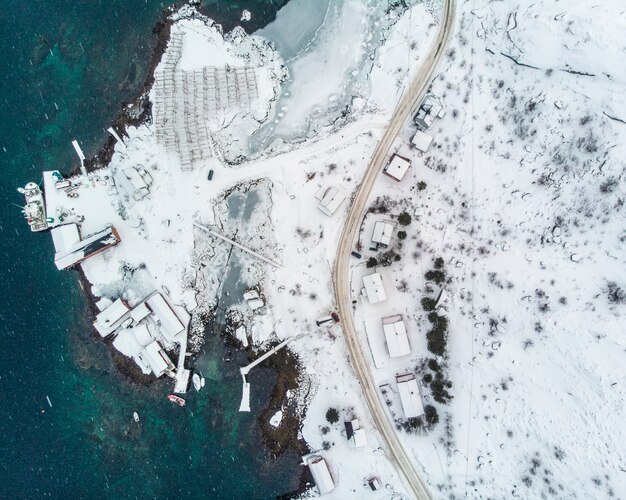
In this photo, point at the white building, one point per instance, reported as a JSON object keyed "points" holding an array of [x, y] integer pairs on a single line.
{"points": [[430, 109], [135, 181], [321, 474], [397, 167], [80, 250], [422, 141], [396, 336], [164, 316], [373, 288], [156, 358], [330, 199], [383, 231], [410, 396], [64, 237], [355, 433], [111, 318]]}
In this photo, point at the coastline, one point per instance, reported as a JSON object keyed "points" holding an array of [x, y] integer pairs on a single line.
{"points": [[285, 364]]}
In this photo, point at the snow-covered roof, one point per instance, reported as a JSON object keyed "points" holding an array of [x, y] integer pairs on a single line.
{"points": [[165, 316], [111, 318], [90, 246], [139, 312], [321, 474], [422, 141], [397, 167], [410, 395], [156, 358], [396, 336], [355, 433], [374, 289], [383, 230], [333, 197], [64, 237]]}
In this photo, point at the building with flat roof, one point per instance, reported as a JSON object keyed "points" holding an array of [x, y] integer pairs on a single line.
{"points": [[396, 336], [397, 167], [410, 396], [110, 319], [382, 233], [373, 288], [422, 141], [321, 475], [330, 199]]}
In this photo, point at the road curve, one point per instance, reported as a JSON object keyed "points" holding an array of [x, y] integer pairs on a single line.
{"points": [[406, 107]]}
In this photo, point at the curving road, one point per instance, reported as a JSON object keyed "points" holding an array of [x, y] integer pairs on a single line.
{"points": [[406, 107]]}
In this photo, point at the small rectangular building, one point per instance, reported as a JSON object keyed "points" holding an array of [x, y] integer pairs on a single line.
{"points": [[331, 199], [422, 141], [396, 336], [164, 316], [64, 237], [430, 109], [397, 167], [321, 474], [355, 433], [383, 231], [111, 318], [139, 312], [410, 396], [156, 358], [84, 249], [373, 288]]}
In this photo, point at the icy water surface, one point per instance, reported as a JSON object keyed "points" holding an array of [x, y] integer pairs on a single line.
{"points": [[65, 69]]}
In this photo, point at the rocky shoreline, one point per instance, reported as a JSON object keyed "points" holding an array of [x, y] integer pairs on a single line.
{"points": [[134, 113]]}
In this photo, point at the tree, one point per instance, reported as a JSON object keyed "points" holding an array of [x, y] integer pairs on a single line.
{"points": [[430, 412], [428, 304], [371, 262], [421, 185], [404, 219], [438, 276], [439, 263], [332, 415], [402, 235]]}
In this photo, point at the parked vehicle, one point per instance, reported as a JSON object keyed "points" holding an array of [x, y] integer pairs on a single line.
{"points": [[210, 176], [356, 254]]}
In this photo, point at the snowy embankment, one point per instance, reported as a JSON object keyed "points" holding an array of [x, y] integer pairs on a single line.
{"points": [[524, 202]]}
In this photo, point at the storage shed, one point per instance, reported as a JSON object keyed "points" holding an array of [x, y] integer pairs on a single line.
{"points": [[111, 318], [321, 474], [422, 141]]}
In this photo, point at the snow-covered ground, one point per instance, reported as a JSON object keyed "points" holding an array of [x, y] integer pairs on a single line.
{"points": [[523, 202]]}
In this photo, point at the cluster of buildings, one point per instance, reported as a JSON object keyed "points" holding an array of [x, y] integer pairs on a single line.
{"points": [[430, 109], [145, 332]]}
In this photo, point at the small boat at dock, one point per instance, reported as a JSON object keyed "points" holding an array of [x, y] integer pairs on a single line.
{"points": [[198, 381], [176, 399]]}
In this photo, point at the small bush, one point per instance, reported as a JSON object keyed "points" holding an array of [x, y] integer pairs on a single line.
{"points": [[427, 378], [402, 235], [404, 219], [421, 185], [439, 263], [428, 304], [332, 416], [438, 276], [371, 262]]}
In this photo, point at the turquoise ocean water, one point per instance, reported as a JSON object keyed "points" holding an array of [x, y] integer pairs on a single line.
{"points": [[65, 68]]}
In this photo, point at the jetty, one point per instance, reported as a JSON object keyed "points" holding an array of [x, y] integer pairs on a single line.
{"points": [[245, 370]]}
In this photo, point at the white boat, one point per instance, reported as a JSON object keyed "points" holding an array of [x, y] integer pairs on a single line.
{"points": [[198, 381], [35, 210], [136, 416]]}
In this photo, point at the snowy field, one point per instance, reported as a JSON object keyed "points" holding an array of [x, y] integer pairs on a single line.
{"points": [[523, 201]]}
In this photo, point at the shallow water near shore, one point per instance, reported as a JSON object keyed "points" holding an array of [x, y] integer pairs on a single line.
{"points": [[67, 66]]}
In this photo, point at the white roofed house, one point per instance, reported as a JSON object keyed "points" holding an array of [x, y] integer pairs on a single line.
{"points": [[373, 288], [321, 474], [430, 109], [355, 433], [410, 396], [330, 199], [397, 167], [80, 250], [111, 318], [396, 336], [382, 233], [156, 358], [165, 317], [422, 141]]}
